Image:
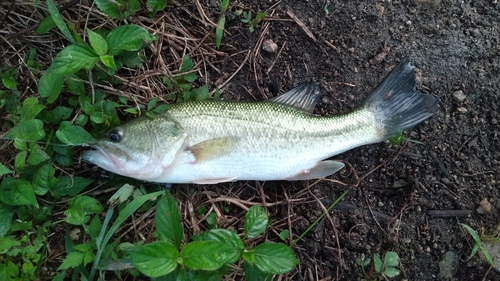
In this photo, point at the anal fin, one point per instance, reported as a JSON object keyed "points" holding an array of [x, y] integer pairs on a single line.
{"points": [[213, 181], [321, 170]]}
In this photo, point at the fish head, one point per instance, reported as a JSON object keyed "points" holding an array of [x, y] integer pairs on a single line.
{"points": [[142, 148]]}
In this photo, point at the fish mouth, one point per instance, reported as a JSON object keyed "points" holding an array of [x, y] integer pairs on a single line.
{"points": [[103, 158]]}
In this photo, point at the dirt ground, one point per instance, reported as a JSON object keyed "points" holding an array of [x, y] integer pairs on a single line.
{"points": [[407, 198], [394, 192]]}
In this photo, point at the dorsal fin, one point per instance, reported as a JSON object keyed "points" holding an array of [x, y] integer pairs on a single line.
{"points": [[304, 97]]}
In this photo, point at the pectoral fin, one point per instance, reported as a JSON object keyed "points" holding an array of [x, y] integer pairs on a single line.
{"points": [[213, 148], [321, 170]]}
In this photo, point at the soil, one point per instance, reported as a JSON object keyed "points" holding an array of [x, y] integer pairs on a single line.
{"points": [[410, 197], [394, 192]]}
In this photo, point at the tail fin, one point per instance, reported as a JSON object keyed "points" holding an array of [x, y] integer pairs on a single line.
{"points": [[395, 103]]}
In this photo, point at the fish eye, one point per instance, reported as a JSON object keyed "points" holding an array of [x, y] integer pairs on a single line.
{"points": [[115, 135]]}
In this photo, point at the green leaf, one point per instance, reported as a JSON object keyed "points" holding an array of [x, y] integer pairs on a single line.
{"points": [[80, 207], [132, 59], [43, 178], [17, 192], [57, 114], [9, 78], [72, 59], [187, 64], [377, 263], [201, 92], [30, 108], [20, 160], [152, 103], [72, 260], [212, 219], [129, 209], [59, 21], [76, 85], [391, 272], [207, 255], [4, 170], [28, 130], [73, 135], [219, 31], [230, 238], [69, 186], [168, 220], [161, 108], [109, 61], [224, 4], [88, 257], [253, 274], [155, 259], [133, 6], [285, 234], [46, 25], [276, 258], [110, 8], [127, 37], [156, 5], [391, 259], [256, 221], [190, 77], [95, 227], [37, 155], [7, 243], [6, 214], [98, 43], [50, 86]]}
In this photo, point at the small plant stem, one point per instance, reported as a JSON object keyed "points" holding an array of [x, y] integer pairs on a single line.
{"points": [[319, 218], [99, 243]]}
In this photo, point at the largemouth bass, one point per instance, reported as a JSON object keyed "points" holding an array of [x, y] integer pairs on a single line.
{"points": [[208, 142]]}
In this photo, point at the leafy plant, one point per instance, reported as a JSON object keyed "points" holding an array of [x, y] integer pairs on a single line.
{"points": [[478, 245], [181, 86], [399, 139], [386, 268], [80, 210], [120, 9], [21, 249], [219, 30], [252, 23], [209, 253], [45, 129]]}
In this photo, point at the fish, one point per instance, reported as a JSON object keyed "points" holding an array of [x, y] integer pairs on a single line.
{"points": [[215, 141]]}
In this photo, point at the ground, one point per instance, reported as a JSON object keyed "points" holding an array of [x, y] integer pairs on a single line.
{"points": [[394, 191]]}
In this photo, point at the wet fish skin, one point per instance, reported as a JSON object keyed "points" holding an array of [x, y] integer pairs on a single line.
{"points": [[219, 141]]}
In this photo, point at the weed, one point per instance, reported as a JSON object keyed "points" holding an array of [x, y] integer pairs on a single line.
{"points": [[479, 244], [252, 23], [45, 129], [386, 268], [219, 30], [79, 212], [319, 218], [121, 9], [208, 254], [181, 86], [398, 139]]}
